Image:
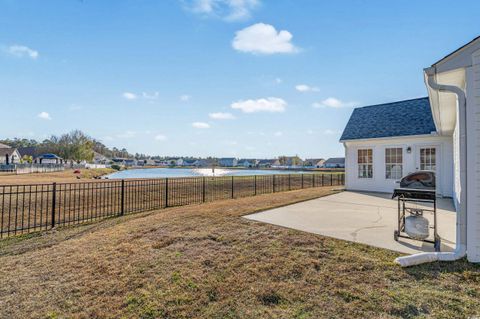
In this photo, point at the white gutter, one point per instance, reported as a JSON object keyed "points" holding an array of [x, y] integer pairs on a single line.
{"points": [[461, 236]]}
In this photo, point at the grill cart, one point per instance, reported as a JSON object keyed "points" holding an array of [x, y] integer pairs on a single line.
{"points": [[416, 189]]}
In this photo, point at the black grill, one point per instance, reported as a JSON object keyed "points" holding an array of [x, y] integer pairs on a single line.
{"points": [[417, 188], [418, 185]]}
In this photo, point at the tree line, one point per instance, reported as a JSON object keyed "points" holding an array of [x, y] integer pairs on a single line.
{"points": [[75, 146]]}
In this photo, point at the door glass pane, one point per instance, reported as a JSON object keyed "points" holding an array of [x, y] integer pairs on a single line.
{"points": [[428, 159]]}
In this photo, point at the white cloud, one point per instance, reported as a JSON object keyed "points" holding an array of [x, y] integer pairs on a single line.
{"points": [[263, 38], [221, 116], [160, 137], [269, 104], [200, 125], [306, 88], [148, 96], [22, 51], [130, 96], [278, 80], [228, 10], [331, 132], [185, 98], [44, 116], [310, 132], [333, 103], [278, 134]]}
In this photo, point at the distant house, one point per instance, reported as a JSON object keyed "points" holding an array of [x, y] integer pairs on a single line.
{"points": [[129, 162], [335, 162], [314, 162], [267, 163], [49, 158], [248, 163], [175, 161], [9, 155], [227, 162], [99, 158], [30, 151], [190, 162]]}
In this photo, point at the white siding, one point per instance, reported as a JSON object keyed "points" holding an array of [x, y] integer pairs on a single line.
{"points": [[473, 157], [379, 183]]}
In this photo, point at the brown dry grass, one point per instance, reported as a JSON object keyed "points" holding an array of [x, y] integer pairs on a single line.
{"points": [[205, 261], [66, 176]]}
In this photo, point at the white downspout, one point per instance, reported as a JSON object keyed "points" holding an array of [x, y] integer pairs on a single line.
{"points": [[461, 236]]}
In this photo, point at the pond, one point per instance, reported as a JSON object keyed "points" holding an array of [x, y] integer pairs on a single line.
{"points": [[192, 172]]}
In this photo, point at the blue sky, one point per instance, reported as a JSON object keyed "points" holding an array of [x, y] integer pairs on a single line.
{"points": [[245, 78]]}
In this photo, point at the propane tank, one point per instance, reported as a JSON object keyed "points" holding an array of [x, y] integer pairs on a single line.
{"points": [[416, 226]]}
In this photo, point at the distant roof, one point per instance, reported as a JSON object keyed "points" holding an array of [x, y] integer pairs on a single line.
{"points": [[28, 151], [49, 156], [7, 151], [4, 146], [403, 118], [335, 160]]}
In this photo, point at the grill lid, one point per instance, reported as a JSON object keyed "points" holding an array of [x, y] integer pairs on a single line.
{"points": [[419, 180]]}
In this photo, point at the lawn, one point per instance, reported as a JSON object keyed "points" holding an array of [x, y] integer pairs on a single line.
{"points": [[205, 261], [66, 176]]}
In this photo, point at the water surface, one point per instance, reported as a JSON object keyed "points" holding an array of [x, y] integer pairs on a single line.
{"points": [[192, 172]]}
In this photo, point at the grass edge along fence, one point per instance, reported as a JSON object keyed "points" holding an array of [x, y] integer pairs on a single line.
{"points": [[37, 207]]}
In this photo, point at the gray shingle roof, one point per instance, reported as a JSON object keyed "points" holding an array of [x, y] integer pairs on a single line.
{"points": [[403, 118], [335, 160]]}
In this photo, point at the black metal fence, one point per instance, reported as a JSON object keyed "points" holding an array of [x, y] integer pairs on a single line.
{"points": [[29, 208]]}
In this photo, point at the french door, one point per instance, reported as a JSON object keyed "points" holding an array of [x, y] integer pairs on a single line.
{"points": [[428, 159]]}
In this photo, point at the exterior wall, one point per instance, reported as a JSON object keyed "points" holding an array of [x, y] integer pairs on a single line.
{"points": [[473, 158], [410, 162]]}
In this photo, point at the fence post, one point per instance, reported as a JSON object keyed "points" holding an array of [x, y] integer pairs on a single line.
{"points": [[54, 203], [255, 184], [289, 182], [323, 179], [232, 186], [313, 182], [166, 192], [122, 207], [203, 190], [273, 183], [331, 179], [302, 180]]}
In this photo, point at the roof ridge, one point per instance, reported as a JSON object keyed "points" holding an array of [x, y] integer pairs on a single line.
{"points": [[388, 103]]}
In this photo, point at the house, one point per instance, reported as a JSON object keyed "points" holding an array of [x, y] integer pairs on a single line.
{"points": [[440, 133], [129, 162], [175, 161], [334, 162], [48, 158], [227, 162], [313, 162], [9, 155], [267, 163], [248, 163], [28, 152], [190, 162], [99, 158]]}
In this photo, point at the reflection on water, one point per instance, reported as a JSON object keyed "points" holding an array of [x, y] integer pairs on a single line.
{"points": [[188, 172]]}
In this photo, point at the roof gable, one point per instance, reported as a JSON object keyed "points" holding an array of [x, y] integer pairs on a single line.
{"points": [[403, 118]]}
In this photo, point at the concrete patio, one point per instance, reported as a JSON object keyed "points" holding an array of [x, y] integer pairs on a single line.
{"points": [[368, 218]]}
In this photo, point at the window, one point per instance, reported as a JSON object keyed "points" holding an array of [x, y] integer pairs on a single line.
{"points": [[365, 163], [393, 163], [427, 158]]}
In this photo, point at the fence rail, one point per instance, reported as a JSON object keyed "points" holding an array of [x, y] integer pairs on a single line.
{"points": [[36, 207]]}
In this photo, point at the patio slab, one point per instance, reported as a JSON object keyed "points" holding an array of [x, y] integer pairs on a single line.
{"points": [[368, 218]]}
